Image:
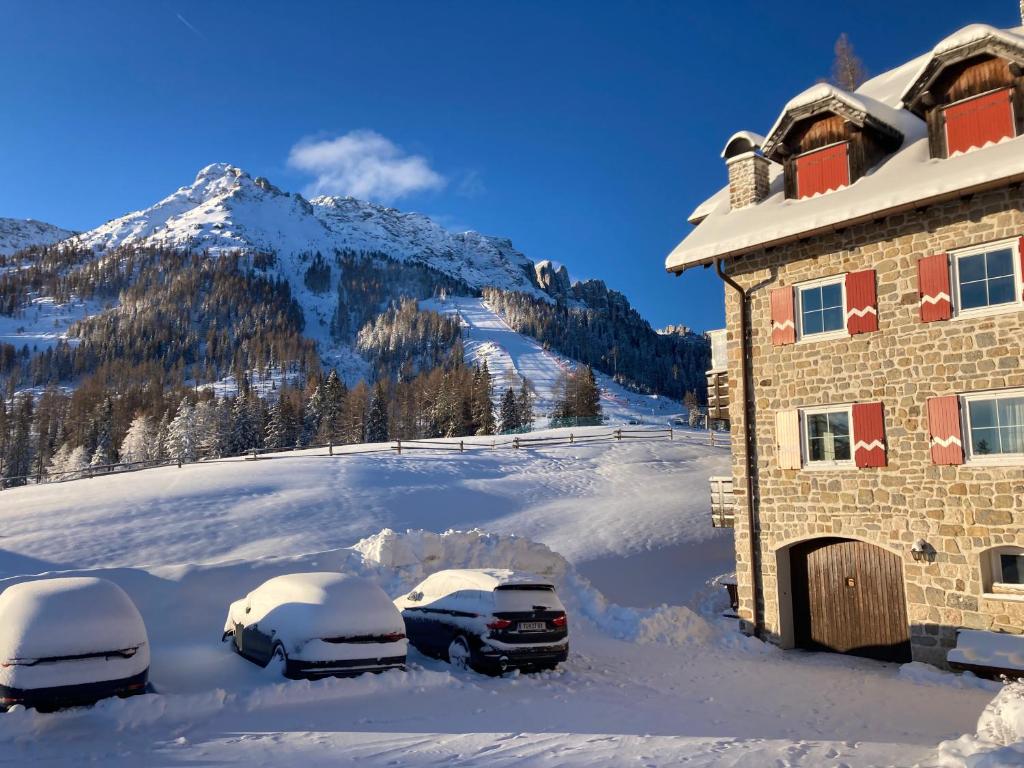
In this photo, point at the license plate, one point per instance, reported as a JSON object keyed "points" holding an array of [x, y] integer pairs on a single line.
{"points": [[532, 626]]}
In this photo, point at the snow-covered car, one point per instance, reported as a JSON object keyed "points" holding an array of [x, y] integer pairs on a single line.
{"points": [[488, 620], [70, 642], [312, 625]]}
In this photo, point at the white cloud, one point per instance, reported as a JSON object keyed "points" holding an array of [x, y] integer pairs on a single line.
{"points": [[362, 164]]}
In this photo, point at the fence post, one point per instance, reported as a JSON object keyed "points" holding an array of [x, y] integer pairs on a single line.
{"points": [[712, 433], [671, 433], [398, 447], [330, 447], [618, 434], [179, 462], [254, 454], [462, 446], [515, 443], [571, 438]]}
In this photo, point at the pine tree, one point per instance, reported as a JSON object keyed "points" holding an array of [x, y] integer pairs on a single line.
{"points": [[483, 409], [524, 406], [278, 431], [77, 464], [243, 428], [588, 393], [59, 463], [377, 421], [509, 412], [19, 449], [181, 441], [354, 415], [139, 442]]}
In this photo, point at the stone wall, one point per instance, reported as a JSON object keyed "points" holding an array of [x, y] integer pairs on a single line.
{"points": [[960, 510], [748, 179]]}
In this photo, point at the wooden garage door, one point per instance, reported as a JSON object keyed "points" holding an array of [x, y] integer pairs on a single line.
{"points": [[848, 597]]}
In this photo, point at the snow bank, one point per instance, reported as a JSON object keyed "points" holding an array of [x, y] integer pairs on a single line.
{"points": [[415, 554], [999, 742]]}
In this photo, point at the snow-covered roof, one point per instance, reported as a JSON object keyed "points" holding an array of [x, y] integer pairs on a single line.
{"points": [[858, 108], [906, 179], [965, 43], [742, 141]]}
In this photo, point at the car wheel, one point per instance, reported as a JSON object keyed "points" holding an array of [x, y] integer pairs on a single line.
{"points": [[458, 653], [278, 664]]}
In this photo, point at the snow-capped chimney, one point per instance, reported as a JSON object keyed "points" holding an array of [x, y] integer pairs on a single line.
{"points": [[748, 169]]}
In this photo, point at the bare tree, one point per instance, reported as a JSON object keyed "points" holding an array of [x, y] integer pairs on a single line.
{"points": [[847, 69]]}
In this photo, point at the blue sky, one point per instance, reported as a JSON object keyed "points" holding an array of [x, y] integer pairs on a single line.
{"points": [[584, 131]]}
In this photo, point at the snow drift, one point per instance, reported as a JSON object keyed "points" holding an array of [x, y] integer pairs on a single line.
{"points": [[999, 741]]}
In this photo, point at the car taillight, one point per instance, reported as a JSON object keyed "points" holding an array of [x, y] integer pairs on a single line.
{"points": [[559, 621], [500, 624]]}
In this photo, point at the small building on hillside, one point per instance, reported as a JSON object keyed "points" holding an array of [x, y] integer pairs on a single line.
{"points": [[872, 247]]}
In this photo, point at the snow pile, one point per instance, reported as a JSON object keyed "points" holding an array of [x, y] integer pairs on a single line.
{"points": [[415, 554], [925, 674], [999, 742]]}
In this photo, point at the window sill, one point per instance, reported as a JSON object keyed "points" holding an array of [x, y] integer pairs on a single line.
{"points": [[829, 336], [983, 312], [1014, 460], [828, 466], [1005, 596]]}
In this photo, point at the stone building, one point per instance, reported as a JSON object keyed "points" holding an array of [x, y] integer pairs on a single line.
{"points": [[871, 248]]}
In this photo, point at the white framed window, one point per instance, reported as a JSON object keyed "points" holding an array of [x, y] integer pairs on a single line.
{"points": [[1003, 571], [821, 308], [826, 436], [986, 278], [993, 424]]}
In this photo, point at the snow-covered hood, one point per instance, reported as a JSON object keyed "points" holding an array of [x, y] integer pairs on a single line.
{"points": [[67, 617]]}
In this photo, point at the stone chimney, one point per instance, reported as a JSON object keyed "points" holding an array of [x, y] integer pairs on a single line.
{"points": [[748, 179], [748, 169]]}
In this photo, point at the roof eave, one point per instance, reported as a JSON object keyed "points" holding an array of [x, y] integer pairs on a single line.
{"points": [[1006, 181]]}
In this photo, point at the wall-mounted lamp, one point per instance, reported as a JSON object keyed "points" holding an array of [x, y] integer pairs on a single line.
{"points": [[923, 552]]}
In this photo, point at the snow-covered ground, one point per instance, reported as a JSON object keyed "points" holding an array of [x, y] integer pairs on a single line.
{"points": [[644, 685], [510, 355], [44, 322]]}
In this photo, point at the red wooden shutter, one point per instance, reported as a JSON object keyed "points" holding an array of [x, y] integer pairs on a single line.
{"points": [[861, 302], [822, 170], [933, 285], [977, 121], [944, 430], [869, 435], [783, 323]]}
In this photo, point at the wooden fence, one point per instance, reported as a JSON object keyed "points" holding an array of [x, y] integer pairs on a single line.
{"points": [[397, 447]]}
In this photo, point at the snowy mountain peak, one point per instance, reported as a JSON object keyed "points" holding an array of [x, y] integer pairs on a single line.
{"points": [[16, 234], [225, 208]]}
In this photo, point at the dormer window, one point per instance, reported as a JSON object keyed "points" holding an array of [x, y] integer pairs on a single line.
{"points": [[827, 138], [971, 91]]}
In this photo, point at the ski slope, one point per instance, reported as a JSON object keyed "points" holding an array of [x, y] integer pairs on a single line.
{"points": [[646, 685], [512, 356]]}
